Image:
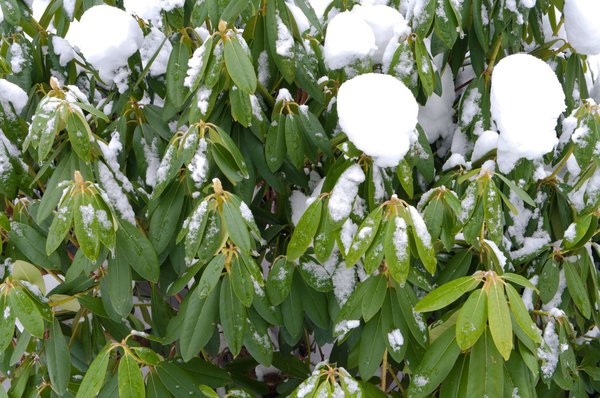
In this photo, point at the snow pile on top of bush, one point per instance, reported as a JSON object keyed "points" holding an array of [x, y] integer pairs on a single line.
{"points": [[106, 36], [582, 23], [362, 33], [150, 10], [378, 113], [349, 39], [526, 101], [386, 23]]}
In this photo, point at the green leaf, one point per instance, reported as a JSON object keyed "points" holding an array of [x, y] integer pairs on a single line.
{"points": [[257, 340], [397, 249], [11, 11], [405, 176], [94, 376], [279, 280], [32, 244], [241, 106], [521, 315], [239, 66], [116, 285], [518, 190], [241, 282], [486, 377], [293, 141], [519, 280], [577, 290], [131, 383], [198, 323], [375, 292], [7, 322], [549, 280], [210, 276], [86, 225], [79, 134], [58, 359], [471, 320], [422, 240], [137, 251], [305, 230], [275, 143], [499, 319], [233, 9], [424, 67], [438, 361], [26, 311], [275, 23], [179, 383], [372, 347], [447, 294], [165, 218], [176, 73], [292, 311], [364, 236], [236, 227], [232, 314]]}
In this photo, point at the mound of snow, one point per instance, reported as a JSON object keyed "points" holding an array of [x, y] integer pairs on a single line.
{"points": [[364, 32], [487, 141], [13, 96], [582, 25], [349, 39], [386, 23], [526, 101], [379, 114], [151, 10], [106, 36]]}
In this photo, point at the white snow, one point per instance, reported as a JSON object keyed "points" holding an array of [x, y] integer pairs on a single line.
{"points": [[115, 194], [198, 167], [345, 326], [13, 96], [106, 36], [528, 294], [151, 44], [526, 100], [386, 24], [150, 10], [581, 25], [487, 141], [63, 50], [501, 257], [285, 40], [344, 192], [548, 352], [299, 17], [246, 212], [420, 227], [436, 116], [395, 339], [348, 39], [400, 238], [194, 66], [69, 7], [378, 113]]}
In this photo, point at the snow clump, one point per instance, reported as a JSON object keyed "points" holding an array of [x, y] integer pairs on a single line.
{"points": [[526, 101], [349, 39], [581, 24], [362, 34], [106, 36], [378, 113]]}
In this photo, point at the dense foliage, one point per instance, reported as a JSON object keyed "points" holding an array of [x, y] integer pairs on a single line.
{"points": [[195, 222]]}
